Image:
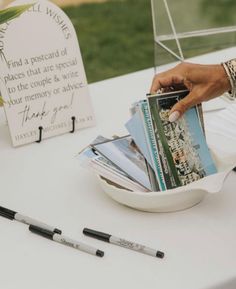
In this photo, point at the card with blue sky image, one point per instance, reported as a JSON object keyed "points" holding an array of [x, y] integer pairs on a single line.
{"points": [[137, 126], [124, 154]]}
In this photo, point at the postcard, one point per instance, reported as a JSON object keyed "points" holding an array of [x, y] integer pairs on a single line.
{"points": [[124, 154], [90, 158], [137, 129], [182, 144], [115, 175]]}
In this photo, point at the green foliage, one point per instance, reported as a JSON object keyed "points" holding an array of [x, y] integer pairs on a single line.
{"points": [[9, 14], [12, 12], [1, 101], [221, 12], [116, 37]]}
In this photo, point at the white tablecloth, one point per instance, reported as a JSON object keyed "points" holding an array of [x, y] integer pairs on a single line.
{"points": [[44, 181]]}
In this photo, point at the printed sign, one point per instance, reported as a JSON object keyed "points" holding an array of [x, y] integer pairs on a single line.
{"points": [[42, 77]]}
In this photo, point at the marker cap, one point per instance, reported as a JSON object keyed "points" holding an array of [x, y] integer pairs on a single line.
{"points": [[42, 232], [160, 254], [6, 213], [99, 253], [97, 235], [57, 231]]}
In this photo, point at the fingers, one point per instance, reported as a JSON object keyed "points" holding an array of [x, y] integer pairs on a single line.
{"points": [[180, 107], [163, 81], [171, 77], [185, 75]]}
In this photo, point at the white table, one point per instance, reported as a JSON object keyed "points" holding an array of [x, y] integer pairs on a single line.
{"points": [[45, 181]]}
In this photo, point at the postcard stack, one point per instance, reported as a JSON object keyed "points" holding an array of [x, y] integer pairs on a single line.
{"points": [[156, 155]]}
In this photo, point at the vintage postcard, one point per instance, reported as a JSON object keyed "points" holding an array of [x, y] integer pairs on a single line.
{"points": [[185, 154]]}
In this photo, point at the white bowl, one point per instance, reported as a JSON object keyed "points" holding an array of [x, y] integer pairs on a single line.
{"points": [[176, 199]]}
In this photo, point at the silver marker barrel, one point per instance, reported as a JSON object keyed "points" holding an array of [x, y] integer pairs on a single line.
{"points": [[66, 241], [77, 245], [30, 221], [135, 247], [13, 215], [123, 243]]}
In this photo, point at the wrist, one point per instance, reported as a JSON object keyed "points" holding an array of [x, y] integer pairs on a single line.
{"points": [[224, 78], [230, 71]]}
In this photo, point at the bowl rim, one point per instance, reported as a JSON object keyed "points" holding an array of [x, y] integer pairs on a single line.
{"points": [[190, 187]]}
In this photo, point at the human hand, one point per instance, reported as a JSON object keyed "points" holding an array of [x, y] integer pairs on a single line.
{"points": [[203, 81]]}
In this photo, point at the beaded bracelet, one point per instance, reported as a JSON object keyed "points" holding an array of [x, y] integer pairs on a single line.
{"points": [[230, 69]]}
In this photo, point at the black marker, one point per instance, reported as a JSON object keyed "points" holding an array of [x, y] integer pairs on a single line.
{"points": [[123, 243], [12, 215], [65, 241]]}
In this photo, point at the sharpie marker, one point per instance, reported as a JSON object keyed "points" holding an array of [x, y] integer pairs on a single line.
{"points": [[123, 243], [12, 215], [65, 241]]}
